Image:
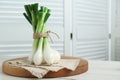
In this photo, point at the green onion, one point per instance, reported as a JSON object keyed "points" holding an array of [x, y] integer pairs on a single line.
{"points": [[41, 50]]}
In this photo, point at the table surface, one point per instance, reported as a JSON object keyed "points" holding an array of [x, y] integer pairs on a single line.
{"points": [[98, 70]]}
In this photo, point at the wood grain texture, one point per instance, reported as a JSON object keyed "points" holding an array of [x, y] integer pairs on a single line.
{"points": [[17, 71]]}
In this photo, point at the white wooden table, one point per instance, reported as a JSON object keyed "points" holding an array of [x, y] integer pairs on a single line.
{"points": [[98, 70]]}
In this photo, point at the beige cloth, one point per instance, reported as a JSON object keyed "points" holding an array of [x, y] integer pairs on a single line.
{"points": [[40, 71]]}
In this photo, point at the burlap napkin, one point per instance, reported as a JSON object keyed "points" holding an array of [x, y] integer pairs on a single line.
{"points": [[40, 71]]}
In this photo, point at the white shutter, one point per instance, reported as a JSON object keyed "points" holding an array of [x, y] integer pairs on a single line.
{"points": [[16, 32], [90, 28], [117, 32]]}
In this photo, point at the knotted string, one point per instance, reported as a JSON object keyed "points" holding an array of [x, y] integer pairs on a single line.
{"points": [[45, 35]]}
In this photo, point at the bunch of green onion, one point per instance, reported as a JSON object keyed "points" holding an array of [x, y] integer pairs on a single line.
{"points": [[41, 50]]}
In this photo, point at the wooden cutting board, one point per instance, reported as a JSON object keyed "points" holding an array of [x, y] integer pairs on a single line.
{"points": [[17, 71]]}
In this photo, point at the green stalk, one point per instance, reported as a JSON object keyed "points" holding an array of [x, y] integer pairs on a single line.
{"points": [[44, 18], [28, 11], [38, 30], [27, 17]]}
